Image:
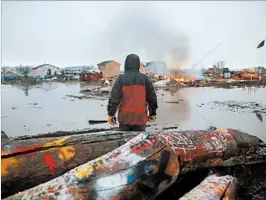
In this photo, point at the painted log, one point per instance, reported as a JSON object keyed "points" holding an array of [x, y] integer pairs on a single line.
{"points": [[214, 187], [148, 164], [30, 162]]}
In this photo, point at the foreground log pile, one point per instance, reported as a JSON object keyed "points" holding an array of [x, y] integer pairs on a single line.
{"points": [[29, 162], [149, 163]]}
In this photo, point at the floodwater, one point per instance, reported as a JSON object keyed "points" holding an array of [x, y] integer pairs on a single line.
{"points": [[46, 108]]}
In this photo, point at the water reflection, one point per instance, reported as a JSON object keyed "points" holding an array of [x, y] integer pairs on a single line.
{"points": [[250, 90], [44, 87], [49, 86], [174, 106], [173, 90], [24, 88]]}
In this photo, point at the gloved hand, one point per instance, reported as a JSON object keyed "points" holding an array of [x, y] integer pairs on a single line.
{"points": [[112, 120], [152, 118]]}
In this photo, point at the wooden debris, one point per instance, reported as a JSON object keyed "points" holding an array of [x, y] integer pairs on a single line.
{"points": [[97, 121]]}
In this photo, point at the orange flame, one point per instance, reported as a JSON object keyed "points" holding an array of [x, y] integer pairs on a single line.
{"points": [[184, 79]]}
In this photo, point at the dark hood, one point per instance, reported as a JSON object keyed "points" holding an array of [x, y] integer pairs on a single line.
{"points": [[132, 63]]}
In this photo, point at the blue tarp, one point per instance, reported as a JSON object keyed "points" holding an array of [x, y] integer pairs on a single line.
{"points": [[9, 78]]}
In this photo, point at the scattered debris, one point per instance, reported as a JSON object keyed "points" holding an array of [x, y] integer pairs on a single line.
{"points": [[235, 106], [171, 127], [171, 102], [161, 83], [211, 128], [4, 136], [259, 116], [100, 93], [76, 97], [33, 104], [92, 122], [86, 97]]}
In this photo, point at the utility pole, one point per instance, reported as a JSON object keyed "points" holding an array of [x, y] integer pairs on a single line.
{"points": [[211, 51]]}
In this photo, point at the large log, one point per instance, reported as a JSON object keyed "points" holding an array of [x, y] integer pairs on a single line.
{"points": [[148, 164], [30, 162], [214, 187]]}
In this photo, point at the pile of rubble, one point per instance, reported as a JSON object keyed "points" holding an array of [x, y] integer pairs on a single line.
{"points": [[238, 106]]}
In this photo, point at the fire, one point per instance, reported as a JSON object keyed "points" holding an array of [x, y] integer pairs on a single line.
{"points": [[184, 79]]}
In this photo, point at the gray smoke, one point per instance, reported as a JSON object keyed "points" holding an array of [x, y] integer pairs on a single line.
{"points": [[140, 31]]}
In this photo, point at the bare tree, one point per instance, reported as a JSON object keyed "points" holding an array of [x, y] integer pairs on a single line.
{"points": [[219, 65]]}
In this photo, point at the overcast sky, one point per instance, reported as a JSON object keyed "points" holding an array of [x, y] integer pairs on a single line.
{"points": [[180, 33]]}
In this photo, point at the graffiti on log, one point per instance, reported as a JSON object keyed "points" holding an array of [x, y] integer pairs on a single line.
{"points": [[47, 158], [8, 163], [212, 142], [148, 164], [195, 145], [214, 187], [50, 163], [68, 152], [144, 156]]}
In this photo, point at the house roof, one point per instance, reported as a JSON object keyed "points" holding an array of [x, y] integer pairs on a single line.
{"points": [[13, 73], [106, 62], [44, 65]]}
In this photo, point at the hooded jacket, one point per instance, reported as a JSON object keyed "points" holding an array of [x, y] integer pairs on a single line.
{"points": [[131, 94]]}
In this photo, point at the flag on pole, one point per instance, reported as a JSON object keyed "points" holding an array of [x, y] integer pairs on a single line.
{"points": [[261, 44]]}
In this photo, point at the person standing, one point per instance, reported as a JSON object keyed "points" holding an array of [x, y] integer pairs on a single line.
{"points": [[134, 96]]}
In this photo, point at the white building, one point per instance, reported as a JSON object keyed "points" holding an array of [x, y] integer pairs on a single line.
{"points": [[75, 70], [44, 70]]}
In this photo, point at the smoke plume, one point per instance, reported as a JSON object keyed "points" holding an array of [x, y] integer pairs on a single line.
{"points": [[139, 31]]}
